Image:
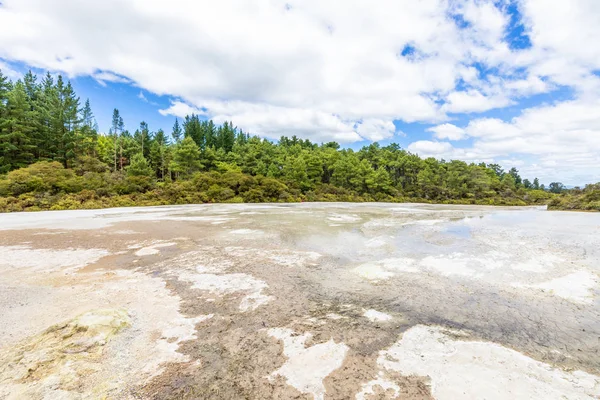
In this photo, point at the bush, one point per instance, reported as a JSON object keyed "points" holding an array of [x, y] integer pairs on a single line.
{"points": [[48, 185], [218, 193], [87, 164], [139, 167], [254, 196]]}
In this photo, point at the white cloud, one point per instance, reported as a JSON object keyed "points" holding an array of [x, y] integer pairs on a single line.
{"points": [[180, 109], [376, 129], [448, 131], [427, 148], [473, 101], [530, 85], [9, 71], [105, 76], [491, 128], [292, 55], [560, 142], [274, 122], [330, 71], [565, 38]]}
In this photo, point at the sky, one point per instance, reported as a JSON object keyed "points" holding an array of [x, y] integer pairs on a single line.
{"points": [[515, 82]]}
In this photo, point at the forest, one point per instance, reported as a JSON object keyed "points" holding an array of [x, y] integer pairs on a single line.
{"points": [[52, 157]]}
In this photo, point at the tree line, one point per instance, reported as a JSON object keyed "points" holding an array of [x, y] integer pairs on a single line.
{"points": [[44, 121]]}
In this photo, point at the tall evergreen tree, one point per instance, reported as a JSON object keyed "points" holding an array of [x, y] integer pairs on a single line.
{"points": [[47, 107], [226, 137], [139, 166], [16, 144], [159, 154], [186, 158], [31, 86], [192, 127], [88, 131], [121, 129], [143, 137], [70, 112], [57, 118], [177, 132], [116, 126], [34, 99], [4, 89], [210, 139], [515, 174]]}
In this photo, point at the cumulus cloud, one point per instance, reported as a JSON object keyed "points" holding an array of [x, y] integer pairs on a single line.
{"points": [[428, 148], [375, 129], [313, 55], [330, 71], [560, 140], [9, 71], [274, 122], [564, 39], [556, 140], [180, 109], [473, 101], [448, 131]]}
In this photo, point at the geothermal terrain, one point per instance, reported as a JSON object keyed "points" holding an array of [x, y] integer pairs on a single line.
{"points": [[303, 301]]}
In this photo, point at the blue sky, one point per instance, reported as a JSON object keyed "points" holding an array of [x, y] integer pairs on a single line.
{"points": [[514, 82], [134, 104]]}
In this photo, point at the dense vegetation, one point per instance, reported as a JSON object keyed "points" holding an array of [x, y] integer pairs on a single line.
{"points": [[52, 157], [587, 199]]}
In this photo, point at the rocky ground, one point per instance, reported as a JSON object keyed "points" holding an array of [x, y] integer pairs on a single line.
{"points": [[303, 301]]}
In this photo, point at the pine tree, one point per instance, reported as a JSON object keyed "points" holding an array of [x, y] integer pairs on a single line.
{"points": [[115, 129], [57, 119], [143, 137], [242, 138], [158, 153], [226, 137], [515, 174], [87, 116], [70, 139], [192, 127], [177, 133], [186, 158], [121, 129], [4, 89], [15, 138], [139, 166], [210, 134], [48, 146], [34, 98], [63, 112], [88, 131]]}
